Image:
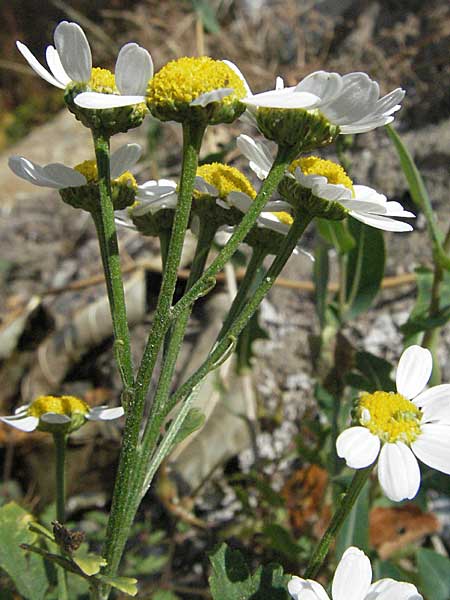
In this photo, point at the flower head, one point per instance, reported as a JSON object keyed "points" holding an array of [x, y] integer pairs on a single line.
{"points": [[352, 581], [399, 428], [59, 413], [197, 88], [78, 186], [351, 102], [70, 69], [324, 188]]}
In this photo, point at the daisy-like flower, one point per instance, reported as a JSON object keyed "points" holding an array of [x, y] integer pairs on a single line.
{"points": [[399, 428], [197, 88], [59, 176], [77, 185], [70, 62], [53, 413], [328, 188], [352, 581], [352, 102]]}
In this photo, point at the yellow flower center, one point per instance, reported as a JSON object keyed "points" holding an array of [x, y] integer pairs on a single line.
{"points": [[88, 168], [102, 81], [226, 179], [185, 79], [390, 416], [313, 165], [61, 405], [284, 217]]}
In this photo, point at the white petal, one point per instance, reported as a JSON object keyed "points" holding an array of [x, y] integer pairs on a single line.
{"points": [[204, 187], [331, 191], [55, 66], [123, 220], [356, 100], [398, 472], [284, 98], [22, 423], [74, 51], [134, 69], [379, 222], [21, 409], [259, 154], [358, 446], [95, 100], [359, 206], [322, 84], [352, 576], [31, 172], [238, 72], [37, 67], [124, 158], [103, 413], [213, 96], [240, 200], [153, 205], [435, 403], [432, 447], [63, 176], [366, 193], [310, 181], [279, 83], [55, 419], [306, 589], [366, 125], [389, 589], [413, 371], [270, 221]]}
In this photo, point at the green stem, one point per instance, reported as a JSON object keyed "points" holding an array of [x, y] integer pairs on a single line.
{"points": [[431, 336], [119, 522], [164, 241], [109, 250], [259, 253], [348, 500], [60, 441], [222, 347]]}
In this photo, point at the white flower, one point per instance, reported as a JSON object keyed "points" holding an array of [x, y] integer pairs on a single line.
{"points": [[156, 195], [361, 202], [48, 411], [59, 176], [399, 428], [352, 581], [351, 101], [70, 60]]}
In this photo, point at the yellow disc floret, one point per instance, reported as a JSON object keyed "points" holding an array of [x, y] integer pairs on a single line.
{"points": [[390, 416], [185, 79], [313, 165], [61, 405], [284, 217], [102, 81], [226, 179], [88, 168]]}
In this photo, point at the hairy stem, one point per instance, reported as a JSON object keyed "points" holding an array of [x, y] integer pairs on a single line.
{"points": [[60, 441]]}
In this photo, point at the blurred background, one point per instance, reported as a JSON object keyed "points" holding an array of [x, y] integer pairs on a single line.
{"points": [[244, 470]]}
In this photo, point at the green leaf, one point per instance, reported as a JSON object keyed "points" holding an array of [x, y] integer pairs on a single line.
{"points": [[206, 13], [127, 585], [193, 421], [231, 578], [164, 595], [321, 278], [365, 268], [355, 530], [419, 193], [374, 373], [88, 562], [281, 540], [434, 574], [386, 568], [336, 233], [27, 571]]}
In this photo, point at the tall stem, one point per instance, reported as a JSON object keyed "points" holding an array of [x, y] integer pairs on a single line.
{"points": [[342, 512], [60, 441], [109, 250], [119, 523], [258, 255], [295, 232]]}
